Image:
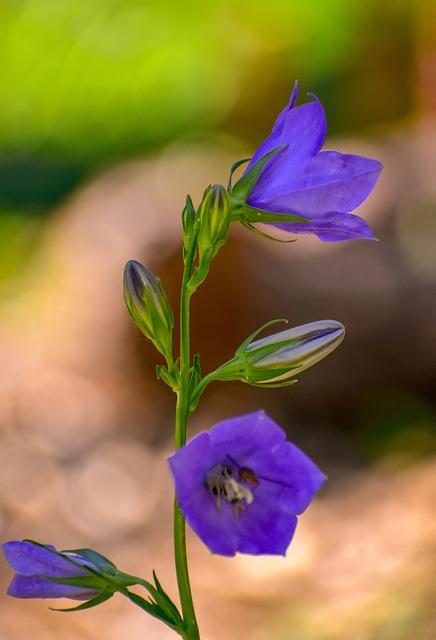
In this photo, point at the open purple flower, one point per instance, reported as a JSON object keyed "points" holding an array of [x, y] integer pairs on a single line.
{"points": [[242, 485], [300, 179], [34, 564]]}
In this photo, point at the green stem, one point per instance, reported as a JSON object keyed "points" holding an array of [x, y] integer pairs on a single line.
{"points": [[182, 414]]}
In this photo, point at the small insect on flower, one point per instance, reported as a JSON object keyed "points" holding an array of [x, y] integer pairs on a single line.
{"points": [[248, 475]]}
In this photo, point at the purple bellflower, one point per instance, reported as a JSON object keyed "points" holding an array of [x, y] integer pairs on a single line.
{"points": [[241, 486], [35, 564], [300, 179]]}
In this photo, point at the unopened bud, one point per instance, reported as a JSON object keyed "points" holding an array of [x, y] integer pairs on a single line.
{"points": [[214, 216], [280, 356], [149, 306]]}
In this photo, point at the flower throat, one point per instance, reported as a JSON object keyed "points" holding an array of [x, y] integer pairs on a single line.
{"points": [[221, 483]]}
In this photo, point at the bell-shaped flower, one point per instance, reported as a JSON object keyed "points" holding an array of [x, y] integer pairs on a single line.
{"points": [[37, 565], [148, 306], [290, 175], [241, 486]]}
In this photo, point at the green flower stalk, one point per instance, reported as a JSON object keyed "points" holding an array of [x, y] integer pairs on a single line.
{"points": [[149, 307]]}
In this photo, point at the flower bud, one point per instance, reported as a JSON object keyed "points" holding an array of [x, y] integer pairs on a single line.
{"points": [[278, 357], [44, 572], [149, 306], [214, 216]]}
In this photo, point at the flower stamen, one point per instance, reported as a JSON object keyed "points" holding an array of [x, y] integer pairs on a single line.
{"points": [[220, 482]]}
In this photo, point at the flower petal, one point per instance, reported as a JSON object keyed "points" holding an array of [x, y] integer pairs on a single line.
{"points": [[330, 181], [29, 559], [294, 471], [189, 466], [214, 526], [266, 537], [31, 586], [245, 435], [332, 227], [302, 128]]}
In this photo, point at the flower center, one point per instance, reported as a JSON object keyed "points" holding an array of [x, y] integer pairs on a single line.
{"points": [[222, 484]]}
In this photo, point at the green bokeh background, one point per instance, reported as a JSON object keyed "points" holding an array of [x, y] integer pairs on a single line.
{"points": [[86, 82]]}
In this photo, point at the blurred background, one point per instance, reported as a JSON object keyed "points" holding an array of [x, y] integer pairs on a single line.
{"points": [[110, 112]]}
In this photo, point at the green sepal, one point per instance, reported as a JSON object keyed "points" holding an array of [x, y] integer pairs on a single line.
{"points": [[87, 582], [234, 166], [100, 561], [244, 186], [247, 215], [260, 378], [253, 216], [274, 385], [267, 350], [267, 236], [253, 335], [89, 604]]}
